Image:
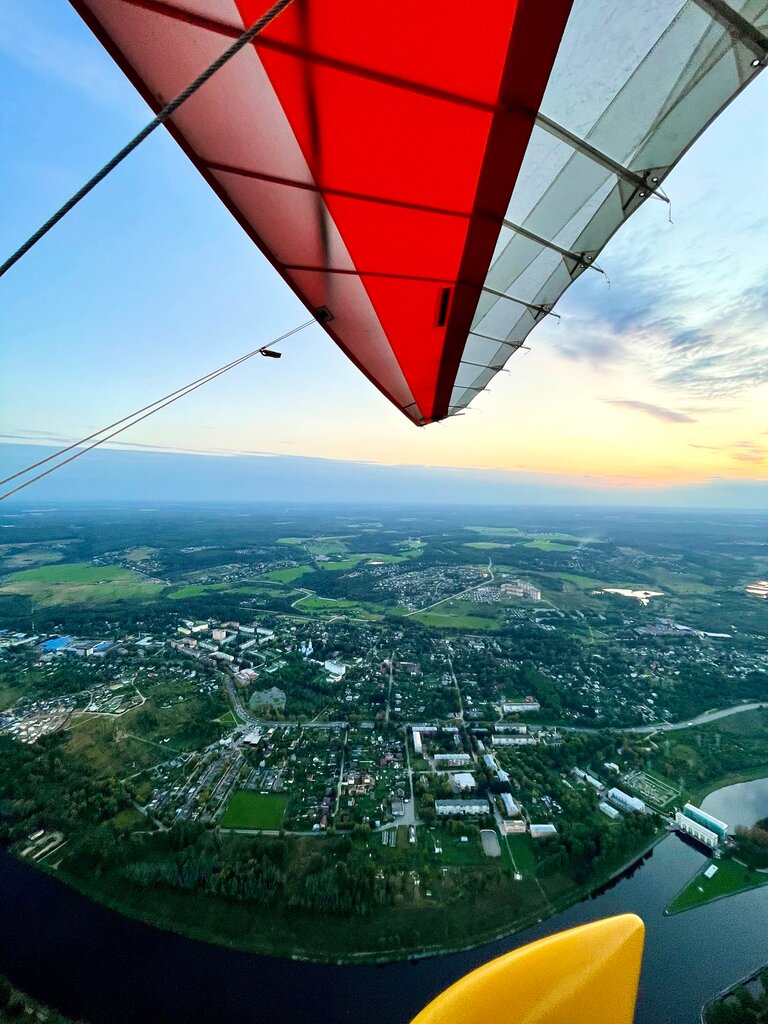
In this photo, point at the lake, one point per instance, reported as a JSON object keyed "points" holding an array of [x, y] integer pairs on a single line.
{"points": [[92, 963]]}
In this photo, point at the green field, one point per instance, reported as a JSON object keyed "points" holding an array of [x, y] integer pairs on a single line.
{"points": [[521, 848], [195, 590], [496, 531], [31, 556], [731, 877], [318, 545], [456, 615], [485, 545], [343, 563], [552, 544], [80, 583], [324, 604], [289, 575], [588, 582], [247, 809]]}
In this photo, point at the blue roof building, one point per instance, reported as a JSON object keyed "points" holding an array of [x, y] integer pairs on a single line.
{"points": [[57, 644]]}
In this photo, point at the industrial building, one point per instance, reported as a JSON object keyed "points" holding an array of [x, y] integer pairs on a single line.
{"points": [[477, 805], [707, 821], [696, 831], [57, 644], [625, 801]]}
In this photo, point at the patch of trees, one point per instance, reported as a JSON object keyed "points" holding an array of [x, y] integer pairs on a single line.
{"points": [[752, 844], [747, 1004], [42, 786], [588, 848]]}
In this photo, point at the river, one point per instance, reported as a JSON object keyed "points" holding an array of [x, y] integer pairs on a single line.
{"points": [[92, 963]]}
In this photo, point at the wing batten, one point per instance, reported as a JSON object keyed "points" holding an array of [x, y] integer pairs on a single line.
{"points": [[436, 182]]}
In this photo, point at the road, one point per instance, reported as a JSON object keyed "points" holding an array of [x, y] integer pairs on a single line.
{"points": [[455, 682], [708, 716], [461, 593], [409, 818], [236, 704], [389, 688]]}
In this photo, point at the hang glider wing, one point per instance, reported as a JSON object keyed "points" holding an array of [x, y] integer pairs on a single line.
{"points": [[430, 177]]}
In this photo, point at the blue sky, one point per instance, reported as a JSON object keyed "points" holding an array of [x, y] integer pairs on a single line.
{"points": [[659, 380]]}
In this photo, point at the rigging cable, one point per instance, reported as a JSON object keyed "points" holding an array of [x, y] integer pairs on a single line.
{"points": [[140, 414], [169, 109]]}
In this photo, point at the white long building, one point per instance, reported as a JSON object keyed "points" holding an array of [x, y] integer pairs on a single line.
{"points": [[696, 831], [510, 807], [462, 807], [625, 801]]}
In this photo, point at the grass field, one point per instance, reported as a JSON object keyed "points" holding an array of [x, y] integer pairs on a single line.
{"points": [[196, 590], [140, 553], [731, 877], [581, 581], [318, 545], [495, 531], [522, 851], [455, 615], [247, 809], [552, 544], [80, 583], [30, 557], [343, 563], [289, 575], [485, 545]]}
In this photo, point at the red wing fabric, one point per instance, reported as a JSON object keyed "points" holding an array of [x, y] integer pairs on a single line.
{"points": [[430, 177]]}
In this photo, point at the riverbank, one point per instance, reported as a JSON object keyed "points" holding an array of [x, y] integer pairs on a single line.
{"points": [[730, 878], [733, 779], [756, 980], [90, 962], [309, 938]]}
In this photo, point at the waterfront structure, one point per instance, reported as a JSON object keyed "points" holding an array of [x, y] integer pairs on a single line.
{"points": [[625, 801], [706, 820], [696, 831], [477, 805]]}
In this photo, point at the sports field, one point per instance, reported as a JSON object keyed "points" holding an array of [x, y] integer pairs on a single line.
{"points": [[247, 809]]}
